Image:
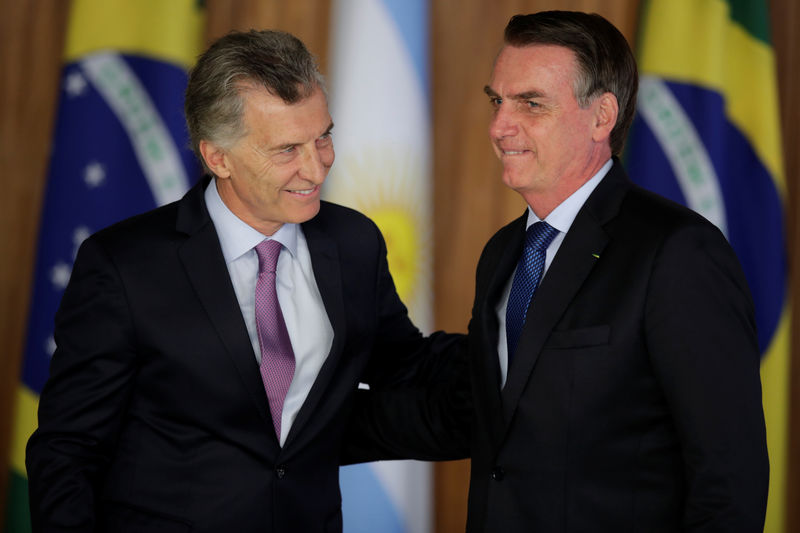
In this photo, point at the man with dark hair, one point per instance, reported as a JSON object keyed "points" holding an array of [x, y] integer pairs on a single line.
{"points": [[209, 351], [613, 345]]}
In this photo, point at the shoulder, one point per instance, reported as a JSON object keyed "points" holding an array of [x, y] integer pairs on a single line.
{"points": [[176, 220], [344, 225], [646, 215], [155, 221], [648, 205], [509, 235], [348, 237], [622, 208], [675, 238], [145, 233], [336, 215]]}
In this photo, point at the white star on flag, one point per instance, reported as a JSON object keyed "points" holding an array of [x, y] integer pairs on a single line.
{"points": [[50, 346], [80, 234], [59, 275], [75, 84], [94, 174]]}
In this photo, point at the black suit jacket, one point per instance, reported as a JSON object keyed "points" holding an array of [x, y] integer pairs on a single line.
{"points": [[155, 417], [633, 402]]}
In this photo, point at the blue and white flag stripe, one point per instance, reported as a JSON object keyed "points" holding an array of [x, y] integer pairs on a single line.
{"points": [[155, 149], [379, 103], [119, 149]]}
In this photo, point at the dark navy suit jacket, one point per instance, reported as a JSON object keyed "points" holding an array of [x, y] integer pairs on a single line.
{"points": [[633, 402], [155, 417]]}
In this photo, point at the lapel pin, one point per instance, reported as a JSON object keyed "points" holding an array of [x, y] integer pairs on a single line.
{"points": [[596, 256]]}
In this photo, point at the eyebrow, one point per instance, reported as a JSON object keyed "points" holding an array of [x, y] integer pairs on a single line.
{"points": [[527, 95], [292, 145]]}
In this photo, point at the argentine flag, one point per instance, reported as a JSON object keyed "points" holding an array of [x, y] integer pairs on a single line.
{"points": [[119, 148], [707, 135], [378, 97]]}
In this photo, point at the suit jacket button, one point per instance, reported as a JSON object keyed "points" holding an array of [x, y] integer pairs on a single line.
{"points": [[280, 471], [498, 473]]}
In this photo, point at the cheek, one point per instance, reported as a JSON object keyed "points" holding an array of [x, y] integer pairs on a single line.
{"points": [[272, 178], [326, 156]]}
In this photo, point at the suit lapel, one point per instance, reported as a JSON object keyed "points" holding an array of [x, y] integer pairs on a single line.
{"points": [[327, 273], [202, 259], [571, 266], [566, 274]]}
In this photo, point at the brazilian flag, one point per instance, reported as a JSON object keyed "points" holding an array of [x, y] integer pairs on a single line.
{"points": [[707, 135], [119, 148]]}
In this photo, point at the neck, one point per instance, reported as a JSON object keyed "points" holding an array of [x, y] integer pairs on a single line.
{"points": [[241, 210], [544, 202]]}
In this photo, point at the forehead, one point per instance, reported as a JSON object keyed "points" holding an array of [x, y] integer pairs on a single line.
{"points": [[268, 115], [535, 67]]}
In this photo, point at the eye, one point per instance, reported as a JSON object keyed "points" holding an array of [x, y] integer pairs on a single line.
{"points": [[495, 101], [288, 149], [325, 140], [532, 103]]}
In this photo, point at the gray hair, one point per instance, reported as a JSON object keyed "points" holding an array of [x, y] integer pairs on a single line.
{"points": [[605, 61], [275, 60]]}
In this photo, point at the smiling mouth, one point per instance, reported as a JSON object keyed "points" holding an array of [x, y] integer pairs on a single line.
{"points": [[514, 152], [304, 192]]}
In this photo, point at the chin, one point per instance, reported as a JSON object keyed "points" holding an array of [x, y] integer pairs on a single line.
{"points": [[513, 181], [306, 213]]}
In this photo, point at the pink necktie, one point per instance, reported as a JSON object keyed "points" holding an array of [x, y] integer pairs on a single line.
{"points": [[277, 358]]}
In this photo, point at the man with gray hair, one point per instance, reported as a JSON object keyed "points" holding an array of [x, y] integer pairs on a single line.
{"points": [[209, 351]]}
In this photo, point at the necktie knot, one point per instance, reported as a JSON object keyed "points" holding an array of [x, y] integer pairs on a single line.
{"points": [[540, 235], [268, 251]]}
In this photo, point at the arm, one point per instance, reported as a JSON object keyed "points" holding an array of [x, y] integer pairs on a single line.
{"points": [[429, 422], [702, 342], [419, 402], [84, 401]]}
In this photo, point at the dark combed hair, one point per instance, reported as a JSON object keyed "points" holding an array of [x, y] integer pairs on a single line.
{"points": [[604, 58], [274, 60]]}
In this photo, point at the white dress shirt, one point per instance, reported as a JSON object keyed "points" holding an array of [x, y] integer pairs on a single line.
{"points": [[560, 218], [310, 330]]}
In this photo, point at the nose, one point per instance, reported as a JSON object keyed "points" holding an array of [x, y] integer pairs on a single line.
{"points": [[316, 163], [503, 123]]}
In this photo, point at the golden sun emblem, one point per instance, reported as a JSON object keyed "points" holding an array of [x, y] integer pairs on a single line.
{"points": [[402, 246], [394, 192]]}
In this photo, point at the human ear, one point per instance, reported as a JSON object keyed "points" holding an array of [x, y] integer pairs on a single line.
{"points": [[606, 110], [215, 159]]}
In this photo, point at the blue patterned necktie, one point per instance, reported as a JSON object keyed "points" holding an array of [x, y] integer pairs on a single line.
{"points": [[527, 278]]}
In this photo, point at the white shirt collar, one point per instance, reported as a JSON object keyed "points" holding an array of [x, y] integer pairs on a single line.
{"points": [[562, 216], [236, 237]]}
